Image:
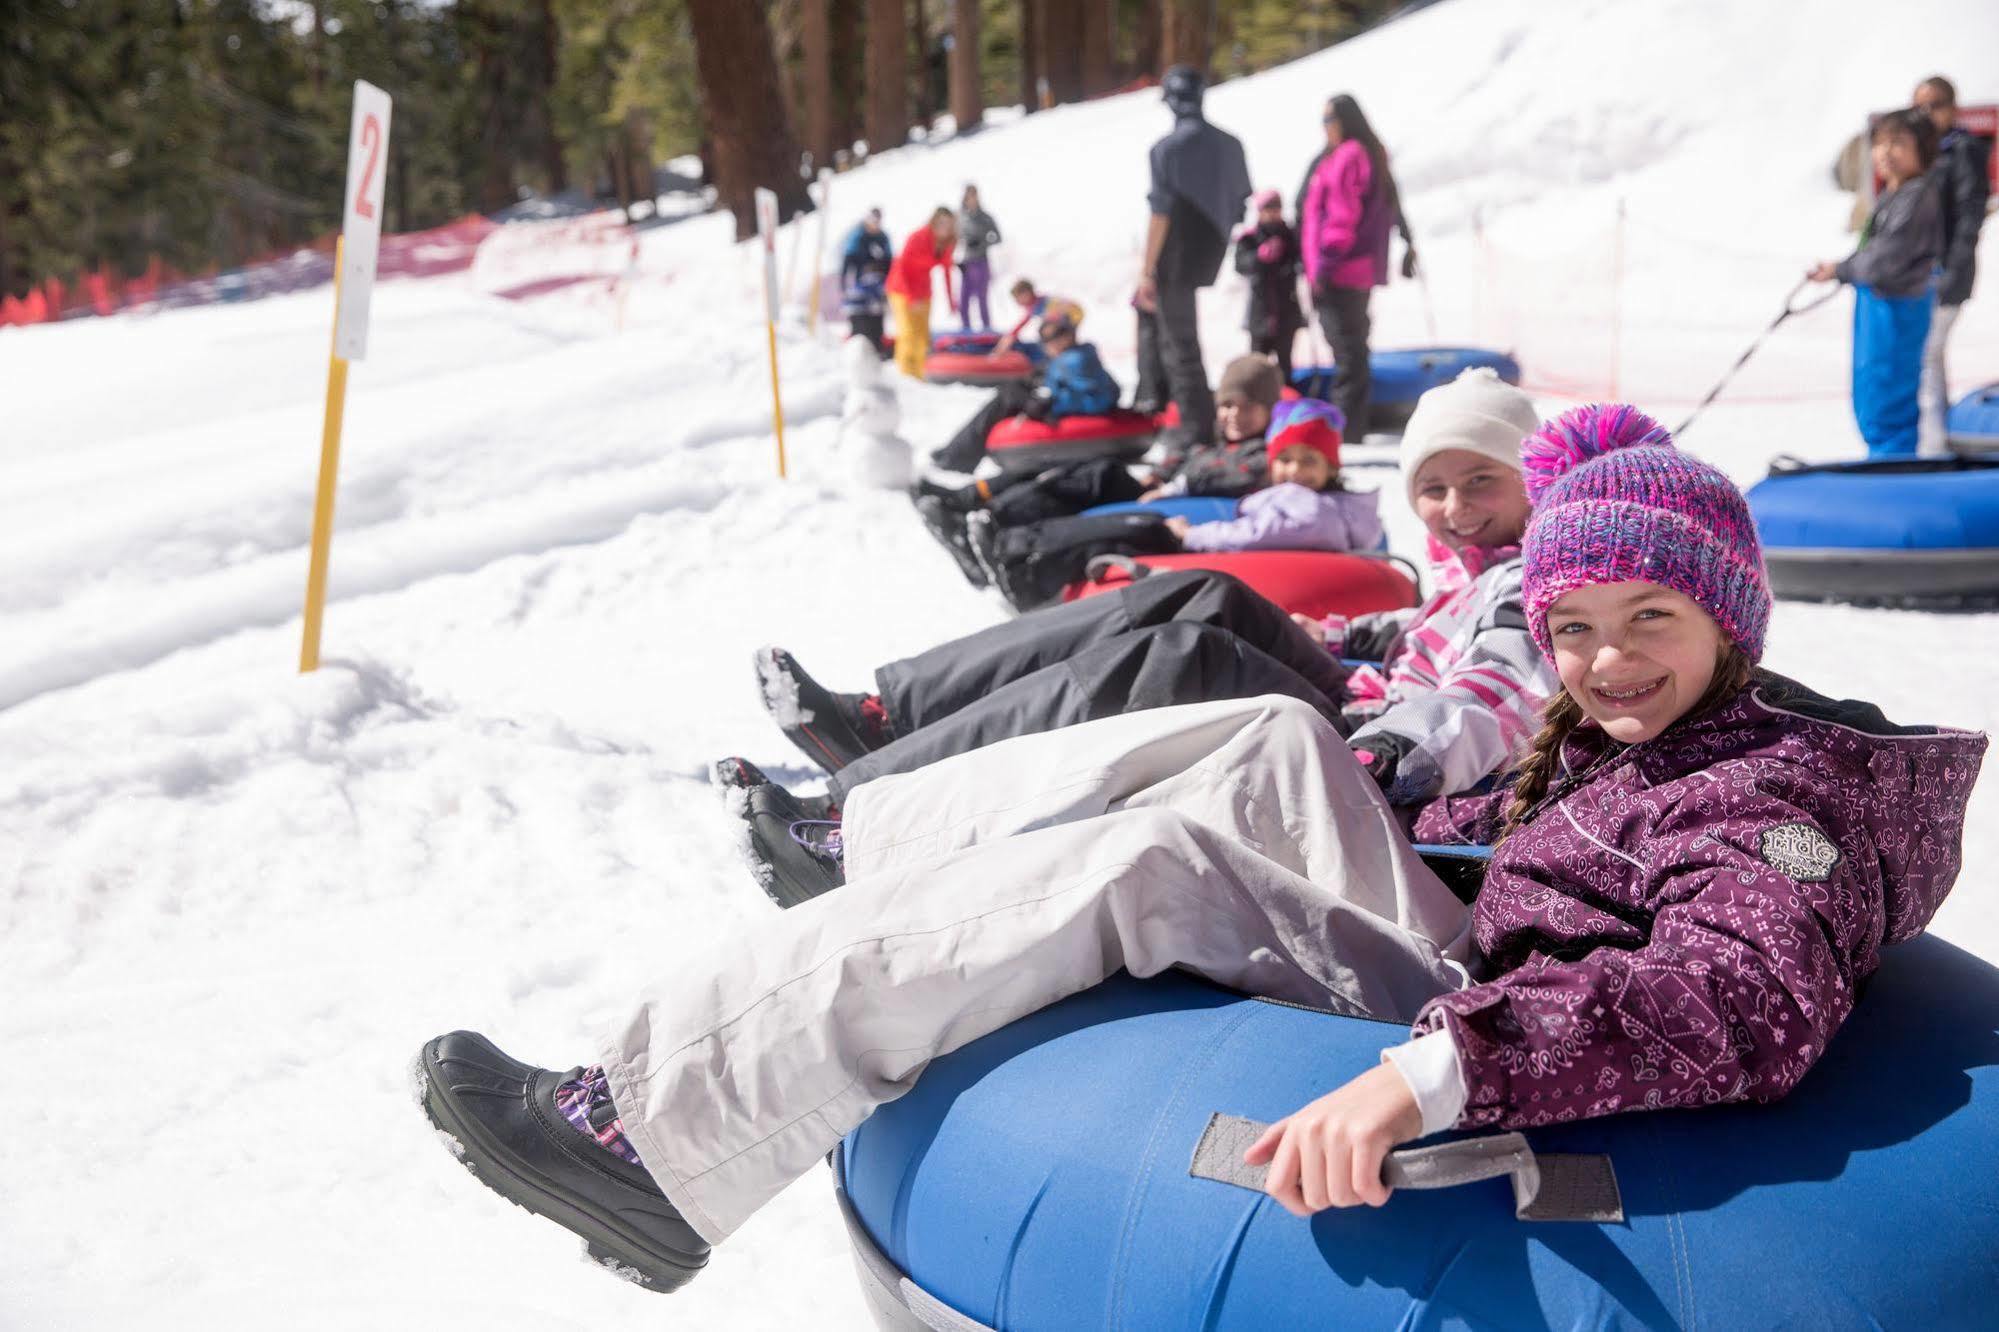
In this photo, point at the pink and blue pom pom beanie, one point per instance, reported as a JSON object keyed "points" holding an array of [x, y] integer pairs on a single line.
{"points": [[1615, 501]]}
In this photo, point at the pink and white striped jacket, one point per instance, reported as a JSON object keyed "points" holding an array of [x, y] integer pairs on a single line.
{"points": [[1459, 690]]}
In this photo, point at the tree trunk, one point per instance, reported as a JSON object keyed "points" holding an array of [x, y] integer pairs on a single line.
{"points": [[554, 164], [1062, 50], [753, 140], [1030, 56], [1099, 26], [888, 83], [637, 144], [967, 98], [848, 56], [815, 41], [1186, 34], [1145, 61]]}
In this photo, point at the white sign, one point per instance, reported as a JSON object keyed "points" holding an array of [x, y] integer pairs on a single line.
{"points": [[767, 232], [361, 223]]}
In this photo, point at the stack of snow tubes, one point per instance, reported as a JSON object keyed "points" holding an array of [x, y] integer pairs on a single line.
{"points": [[1023, 444], [1974, 422], [976, 367], [1401, 377], [978, 343], [1039, 1178], [1917, 532]]}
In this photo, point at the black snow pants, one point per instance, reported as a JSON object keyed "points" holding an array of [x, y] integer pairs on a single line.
{"points": [[1170, 365], [1062, 491], [1343, 316], [1037, 560], [968, 446], [1172, 638]]}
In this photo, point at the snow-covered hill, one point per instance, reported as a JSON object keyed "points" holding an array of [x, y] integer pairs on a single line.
{"points": [[233, 901]]}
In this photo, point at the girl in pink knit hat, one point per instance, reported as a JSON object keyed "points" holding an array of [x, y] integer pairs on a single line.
{"points": [[1266, 252]]}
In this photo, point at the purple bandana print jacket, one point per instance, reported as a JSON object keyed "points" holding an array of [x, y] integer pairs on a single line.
{"points": [[1683, 921]]}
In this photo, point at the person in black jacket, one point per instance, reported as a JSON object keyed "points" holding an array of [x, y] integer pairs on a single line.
{"points": [[1963, 184], [1267, 254], [1200, 182]]}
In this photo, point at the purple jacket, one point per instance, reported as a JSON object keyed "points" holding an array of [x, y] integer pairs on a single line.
{"points": [[1683, 922], [1345, 224], [1295, 517]]}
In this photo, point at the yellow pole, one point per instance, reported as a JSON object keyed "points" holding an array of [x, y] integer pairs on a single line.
{"points": [[776, 402], [329, 472]]}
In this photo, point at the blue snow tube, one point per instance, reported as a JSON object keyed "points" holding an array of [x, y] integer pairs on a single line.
{"points": [[1194, 508], [1038, 1178], [1900, 532], [1974, 421], [1401, 377]]}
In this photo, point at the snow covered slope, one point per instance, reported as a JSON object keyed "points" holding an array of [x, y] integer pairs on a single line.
{"points": [[234, 901]]}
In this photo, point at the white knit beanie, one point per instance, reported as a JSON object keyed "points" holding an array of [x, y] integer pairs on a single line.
{"points": [[1477, 411]]}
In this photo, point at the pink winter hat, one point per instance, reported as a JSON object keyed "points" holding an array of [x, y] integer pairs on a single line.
{"points": [[1615, 501], [1267, 199]]}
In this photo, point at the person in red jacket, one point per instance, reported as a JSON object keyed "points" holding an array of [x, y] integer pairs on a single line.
{"points": [[909, 288]]}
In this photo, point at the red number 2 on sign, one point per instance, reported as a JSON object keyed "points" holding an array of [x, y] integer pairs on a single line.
{"points": [[371, 139]]}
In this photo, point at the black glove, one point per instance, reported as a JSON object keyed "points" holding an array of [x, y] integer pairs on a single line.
{"points": [[1380, 755], [1409, 261], [1039, 407]]}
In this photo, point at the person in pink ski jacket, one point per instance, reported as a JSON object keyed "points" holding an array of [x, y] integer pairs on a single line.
{"points": [[1348, 207]]}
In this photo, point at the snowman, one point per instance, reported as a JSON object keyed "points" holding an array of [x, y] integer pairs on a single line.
{"points": [[875, 456]]}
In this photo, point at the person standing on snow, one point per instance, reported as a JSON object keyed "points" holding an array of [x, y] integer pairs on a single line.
{"points": [[1962, 188], [926, 250], [864, 264], [1267, 254], [1890, 274], [1348, 207], [978, 233], [1200, 182]]}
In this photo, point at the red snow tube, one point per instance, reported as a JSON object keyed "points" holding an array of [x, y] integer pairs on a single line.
{"points": [[1023, 444], [1305, 582], [975, 368]]}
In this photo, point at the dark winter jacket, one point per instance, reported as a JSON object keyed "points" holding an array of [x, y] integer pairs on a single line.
{"points": [[1962, 188], [1077, 384], [1273, 282], [977, 233], [1684, 921], [1200, 182], [1901, 243], [1227, 469], [864, 263]]}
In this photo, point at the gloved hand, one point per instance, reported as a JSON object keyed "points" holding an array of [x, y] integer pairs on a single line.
{"points": [[1409, 261], [1271, 250], [1380, 756], [1039, 407]]}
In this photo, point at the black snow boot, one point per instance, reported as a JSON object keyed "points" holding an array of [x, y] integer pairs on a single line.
{"points": [[501, 1115], [833, 729], [794, 840], [948, 526], [963, 499], [983, 535]]}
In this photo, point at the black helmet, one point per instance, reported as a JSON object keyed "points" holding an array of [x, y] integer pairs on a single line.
{"points": [[1183, 86]]}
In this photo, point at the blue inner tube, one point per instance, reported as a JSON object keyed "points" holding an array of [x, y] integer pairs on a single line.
{"points": [[1974, 420], [1194, 508], [1037, 1178], [1907, 531], [1400, 377]]}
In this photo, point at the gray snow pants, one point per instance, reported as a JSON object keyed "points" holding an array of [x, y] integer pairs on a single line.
{"points": [[1239, 839]]}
